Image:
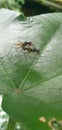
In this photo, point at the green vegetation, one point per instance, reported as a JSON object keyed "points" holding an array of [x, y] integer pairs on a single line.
{"points": [[11, 4], [31, 75]]}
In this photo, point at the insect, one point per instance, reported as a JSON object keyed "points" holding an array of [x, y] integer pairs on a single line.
{"points": [[23, 45], [28, 46], [33, 50]]}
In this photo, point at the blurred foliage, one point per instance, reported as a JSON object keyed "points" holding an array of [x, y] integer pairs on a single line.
{"points": [[4, 120], [3, 117], [11, 4], [27, 7], [17, 4], [56, 4]]}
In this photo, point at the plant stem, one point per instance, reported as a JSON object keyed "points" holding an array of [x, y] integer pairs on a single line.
{"points": [[11, 124]]}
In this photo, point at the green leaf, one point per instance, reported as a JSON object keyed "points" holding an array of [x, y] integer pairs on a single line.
{"points": [[30, 82]]}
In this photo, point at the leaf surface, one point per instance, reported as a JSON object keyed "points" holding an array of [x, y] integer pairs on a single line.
{"points": [[30, 82]]}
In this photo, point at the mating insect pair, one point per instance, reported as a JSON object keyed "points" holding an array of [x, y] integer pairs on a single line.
{"points": [[27, 46]]}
